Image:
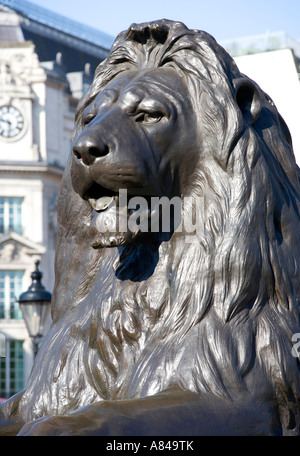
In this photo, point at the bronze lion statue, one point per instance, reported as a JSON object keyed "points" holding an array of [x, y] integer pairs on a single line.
{"points": [[168, 331]]}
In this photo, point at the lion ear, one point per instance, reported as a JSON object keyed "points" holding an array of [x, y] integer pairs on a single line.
{"points": [[248, 99]]}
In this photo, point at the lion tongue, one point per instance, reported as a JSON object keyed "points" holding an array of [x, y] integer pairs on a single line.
{"points": [[102, 203]]}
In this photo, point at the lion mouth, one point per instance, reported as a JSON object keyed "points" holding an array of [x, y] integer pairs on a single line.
{"points": [[101, 204], [118, 218], [109, 222], [100, 198]]}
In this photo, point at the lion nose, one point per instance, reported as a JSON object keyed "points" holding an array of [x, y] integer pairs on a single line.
{"points": [[88, 149]]}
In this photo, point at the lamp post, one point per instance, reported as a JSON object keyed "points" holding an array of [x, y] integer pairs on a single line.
{"points": [[35, 307]]}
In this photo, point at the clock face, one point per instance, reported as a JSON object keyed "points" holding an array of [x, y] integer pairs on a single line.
{"points": [[11, 121]]}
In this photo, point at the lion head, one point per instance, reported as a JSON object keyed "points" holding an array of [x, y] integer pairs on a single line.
{"points": [[124, 144], [139, 100], [170, 115]]}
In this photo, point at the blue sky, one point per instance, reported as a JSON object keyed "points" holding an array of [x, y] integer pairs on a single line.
{"points": [[224, 19]]}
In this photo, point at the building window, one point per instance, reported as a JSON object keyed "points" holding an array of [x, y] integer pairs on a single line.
{"points": [[11, 215], [10, 290], [12, 369]]}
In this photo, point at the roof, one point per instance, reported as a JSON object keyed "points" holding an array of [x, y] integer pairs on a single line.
{"points": [[52, 33], [9, 26], [58, 22]]}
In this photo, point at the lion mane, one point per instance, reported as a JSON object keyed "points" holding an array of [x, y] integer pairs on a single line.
{"points": [[216, 316]]}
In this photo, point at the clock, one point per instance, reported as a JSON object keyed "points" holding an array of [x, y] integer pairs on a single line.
{"points": [[11, 121]]}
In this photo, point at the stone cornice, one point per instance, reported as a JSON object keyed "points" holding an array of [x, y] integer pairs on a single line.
{"points": [[30, 167]]}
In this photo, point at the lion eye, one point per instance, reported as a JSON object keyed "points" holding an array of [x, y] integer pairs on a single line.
{"points": [[88, 118], [149, 117]]}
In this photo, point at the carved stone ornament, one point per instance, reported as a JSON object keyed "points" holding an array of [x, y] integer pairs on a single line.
{"points": [[175, 308], [19, 68], [8, 252]]}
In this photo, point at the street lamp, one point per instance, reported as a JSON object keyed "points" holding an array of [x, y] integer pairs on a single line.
{"points": [[35, 306]]}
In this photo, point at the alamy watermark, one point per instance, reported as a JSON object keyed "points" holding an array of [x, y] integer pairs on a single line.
{"points": [[296, 346], [153, 214]]}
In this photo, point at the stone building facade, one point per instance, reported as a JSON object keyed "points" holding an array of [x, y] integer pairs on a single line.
{"points": [[45, 66]]}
